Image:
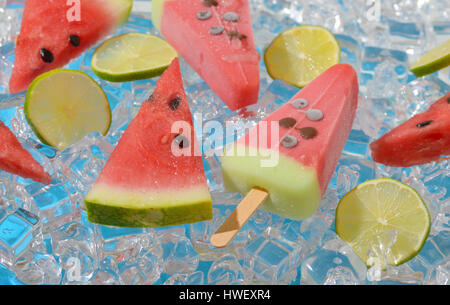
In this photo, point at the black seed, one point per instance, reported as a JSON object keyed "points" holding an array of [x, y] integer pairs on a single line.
{"points": [[181, 141], [448, 100], [236, 35], [308, 132], [46, 55], [210, 3], [175, 103], [287, 122], [75, 40], [423, 124]]}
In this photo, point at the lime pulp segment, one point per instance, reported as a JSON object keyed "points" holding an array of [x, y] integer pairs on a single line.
{"points": [[384, 221], [63, 106], [132, 56], [301, 53]]}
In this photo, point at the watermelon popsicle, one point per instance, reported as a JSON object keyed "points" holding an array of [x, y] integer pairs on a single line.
{"points": [[312, 130], [215, 37]]}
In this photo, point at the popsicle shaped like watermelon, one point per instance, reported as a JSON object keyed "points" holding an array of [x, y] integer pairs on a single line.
{"points": [[54, 32], [215, 37], [423, 138], [146, 181], [313, 128], [18, 161]]}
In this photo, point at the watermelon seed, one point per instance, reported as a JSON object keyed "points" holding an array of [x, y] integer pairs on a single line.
{"points": [[175, 103], [236, 35], [231, 17], [216, 30], [299, 103], [75, 40], [204, 15], [46, 55], [448, 100], [289, 141], [314, 114], [181, 141], [210, 3], [287, 122], [308, 132], [423, 124]]}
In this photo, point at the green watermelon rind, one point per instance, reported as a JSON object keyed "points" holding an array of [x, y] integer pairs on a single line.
{"points": [[28, 98], [112, 215]]}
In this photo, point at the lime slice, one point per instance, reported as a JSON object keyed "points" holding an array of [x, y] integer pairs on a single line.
{"points": [[433, 60], [384, 221], [62, 106], [132, 56], [301, 53]]}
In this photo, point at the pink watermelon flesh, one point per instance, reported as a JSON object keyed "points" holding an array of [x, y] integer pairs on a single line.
{"points": [[422, 139], [16, 160], [228, 65], [45, 26], [143, 183]]}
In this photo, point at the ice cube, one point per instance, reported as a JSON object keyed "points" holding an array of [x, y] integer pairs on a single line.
{"points": [[329, 267], [179, 256], [38, 268], [195, 278], [74, 246], [226, 271], [18, 231], [55, 204], [271, 259]]}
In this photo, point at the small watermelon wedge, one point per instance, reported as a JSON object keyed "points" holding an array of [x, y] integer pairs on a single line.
{"points": [[54, 32], [16, 160], [422, 139], [144, 183], [215, 37]]}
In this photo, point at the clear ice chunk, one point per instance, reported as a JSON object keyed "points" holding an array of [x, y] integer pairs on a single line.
{"points": [[18, 231]]}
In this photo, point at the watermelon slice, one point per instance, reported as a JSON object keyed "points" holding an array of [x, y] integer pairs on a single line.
{"points": [[422, 139], [16, 160], [55, 32], [145, 184], [215, 37]]}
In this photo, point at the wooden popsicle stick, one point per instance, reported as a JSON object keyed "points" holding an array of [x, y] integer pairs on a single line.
{"points": [[239, 217]]}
